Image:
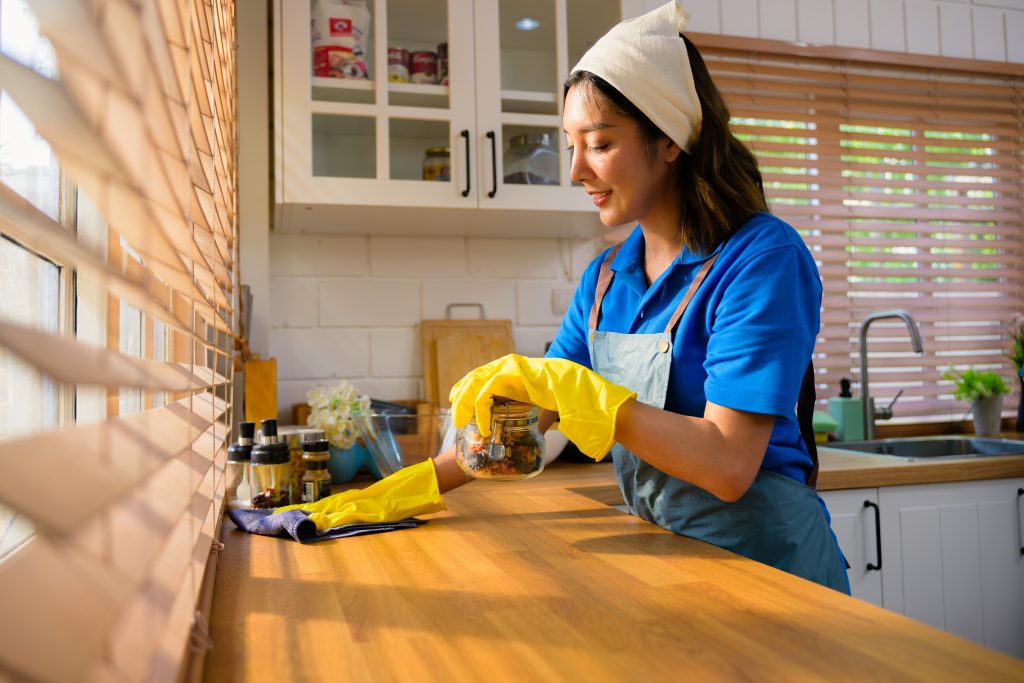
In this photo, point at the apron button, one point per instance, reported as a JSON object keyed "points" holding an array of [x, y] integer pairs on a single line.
{"points": [[663, 346], [591, 335]]}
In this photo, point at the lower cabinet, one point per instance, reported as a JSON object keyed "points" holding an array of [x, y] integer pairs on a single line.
{"points": [[949, 555]]}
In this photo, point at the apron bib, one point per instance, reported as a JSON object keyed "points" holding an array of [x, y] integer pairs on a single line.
{"points": [[778, 521]]}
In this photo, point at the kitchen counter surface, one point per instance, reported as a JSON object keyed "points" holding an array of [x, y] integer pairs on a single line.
{"points": [[845, 470], [542, 580]]}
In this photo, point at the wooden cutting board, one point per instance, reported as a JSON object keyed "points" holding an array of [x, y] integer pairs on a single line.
{"points": [[451, 348]]}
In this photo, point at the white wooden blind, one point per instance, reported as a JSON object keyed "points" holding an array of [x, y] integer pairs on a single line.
{"points": [[126, 510], [906, 183]]}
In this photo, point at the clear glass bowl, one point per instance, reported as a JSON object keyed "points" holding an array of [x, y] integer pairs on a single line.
{"points": [[396, 441]]}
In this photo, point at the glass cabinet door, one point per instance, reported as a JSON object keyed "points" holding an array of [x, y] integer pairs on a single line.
{"points": [[524, 163], [375, 97]]}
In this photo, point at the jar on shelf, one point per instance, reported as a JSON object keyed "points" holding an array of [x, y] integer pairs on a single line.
{"points": [[316, 478], [531, 159], [270, 468], [237, 489], [437, 164], [514, 450]]}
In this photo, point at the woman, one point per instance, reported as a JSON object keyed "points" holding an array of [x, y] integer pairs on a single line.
{"points": [[687, 344]]}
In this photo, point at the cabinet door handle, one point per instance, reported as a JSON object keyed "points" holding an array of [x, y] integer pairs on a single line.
{"points": [[1020, 524], [469, 174], [494, 165], [878, 535]]}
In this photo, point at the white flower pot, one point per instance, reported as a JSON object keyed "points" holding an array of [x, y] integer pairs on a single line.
{"points": [[987, 413]]}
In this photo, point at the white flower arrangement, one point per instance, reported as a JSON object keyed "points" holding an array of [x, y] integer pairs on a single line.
{"points": [[332, 409]]}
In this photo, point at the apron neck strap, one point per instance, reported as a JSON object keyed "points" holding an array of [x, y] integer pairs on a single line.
{"points": [[694, 284], [604, 279]]}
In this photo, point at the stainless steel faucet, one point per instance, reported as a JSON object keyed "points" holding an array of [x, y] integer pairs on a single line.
{"points": [[915, 341]]}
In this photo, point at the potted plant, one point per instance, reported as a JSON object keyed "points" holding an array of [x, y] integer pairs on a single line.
{"points": [[1016, 357], [984, 390]]}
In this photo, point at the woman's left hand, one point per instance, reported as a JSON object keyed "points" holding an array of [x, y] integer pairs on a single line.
{"points": [[586, 403]]}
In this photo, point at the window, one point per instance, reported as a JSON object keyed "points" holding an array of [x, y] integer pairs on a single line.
{"points": [[905, 184], [116, 312]]}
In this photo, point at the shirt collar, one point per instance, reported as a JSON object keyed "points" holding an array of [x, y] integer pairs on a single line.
{"points": [[631, 253]]}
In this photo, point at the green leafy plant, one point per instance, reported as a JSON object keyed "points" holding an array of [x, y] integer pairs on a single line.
{"points": [[971, 385], [1016, 354]]}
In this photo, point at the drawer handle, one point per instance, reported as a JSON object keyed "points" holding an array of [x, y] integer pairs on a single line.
{"points": [[494, 165], [878, 535], [469, 173], [1020, 524]]}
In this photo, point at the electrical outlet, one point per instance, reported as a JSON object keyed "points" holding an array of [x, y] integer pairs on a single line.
{"points": [[560, 299]]}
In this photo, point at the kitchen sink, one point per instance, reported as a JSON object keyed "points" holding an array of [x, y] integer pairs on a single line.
{"points": [[932, 447]]}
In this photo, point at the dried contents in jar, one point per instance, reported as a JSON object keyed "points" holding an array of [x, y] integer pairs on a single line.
{"points": [[514, 450]]}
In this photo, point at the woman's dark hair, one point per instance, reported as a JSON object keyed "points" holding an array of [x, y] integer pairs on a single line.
{"points": [[719, 183]]}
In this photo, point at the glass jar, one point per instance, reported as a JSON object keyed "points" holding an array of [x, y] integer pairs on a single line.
{"points": [[437, 164], [316, 479], [237, 490], [514, 450], [531, 160], [270, 470], [293, 436]]}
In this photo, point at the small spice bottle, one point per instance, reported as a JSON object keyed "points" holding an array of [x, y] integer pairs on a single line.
{"points": [[237, 490], [316, 480], [270, 468]]}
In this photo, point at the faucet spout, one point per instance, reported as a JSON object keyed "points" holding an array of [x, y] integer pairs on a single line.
{"points": [[915, 342]]}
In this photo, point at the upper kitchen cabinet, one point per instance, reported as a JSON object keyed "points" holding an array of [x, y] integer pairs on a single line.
{"points": [[353, 137]]}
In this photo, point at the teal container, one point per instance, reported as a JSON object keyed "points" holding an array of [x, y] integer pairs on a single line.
{"points": [[849, 416], [344, 464]]}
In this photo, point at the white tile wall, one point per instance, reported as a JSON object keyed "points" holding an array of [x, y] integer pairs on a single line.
{"points": [[349, 307], [852, 21], [777, 19]]}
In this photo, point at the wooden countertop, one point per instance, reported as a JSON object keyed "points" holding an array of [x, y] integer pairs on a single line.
{"points": [[542, 581], [844, 470]]}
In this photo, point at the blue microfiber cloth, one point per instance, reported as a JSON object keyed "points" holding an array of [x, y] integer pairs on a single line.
{"points": [[298, 525]]}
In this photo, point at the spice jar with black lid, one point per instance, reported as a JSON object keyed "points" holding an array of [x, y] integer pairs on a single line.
{"points": [[270, 469], [316, 480], [238, 490]]}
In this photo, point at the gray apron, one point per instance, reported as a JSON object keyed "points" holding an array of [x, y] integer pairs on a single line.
{"points": [[778, 521]]}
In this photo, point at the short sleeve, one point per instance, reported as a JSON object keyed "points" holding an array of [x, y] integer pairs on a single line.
{"points": [[763, 333]]}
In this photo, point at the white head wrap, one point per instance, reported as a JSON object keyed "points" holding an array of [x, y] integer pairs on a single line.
{"points": [[645, 60]]}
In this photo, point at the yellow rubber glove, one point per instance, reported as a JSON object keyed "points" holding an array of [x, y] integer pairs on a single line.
{"points": [[587, 404], [408, 492]]}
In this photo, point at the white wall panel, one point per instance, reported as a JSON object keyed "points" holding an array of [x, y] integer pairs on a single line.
{"points": [[922, 25], [852, 26], [497, 296], [533, 303], [886, 25], [739, 18], [956, 37], [417, 256], [778, 19], [317, 255], [305, 354], [705, 16], [293, 302], [988, 34], [514, 258], [368, 303], [1015, 36], [396, 353], [815, 22]]}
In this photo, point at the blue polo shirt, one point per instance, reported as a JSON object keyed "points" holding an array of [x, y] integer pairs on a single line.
{"points": [[745, 339]]}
